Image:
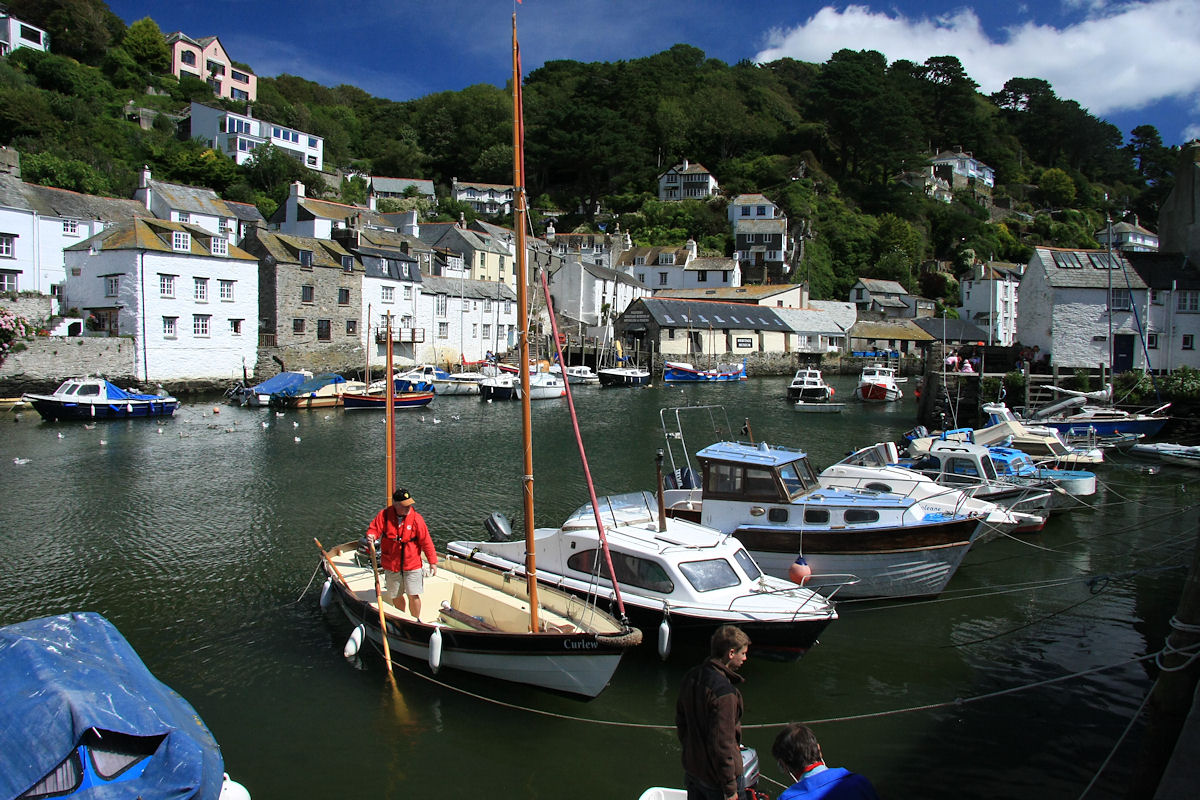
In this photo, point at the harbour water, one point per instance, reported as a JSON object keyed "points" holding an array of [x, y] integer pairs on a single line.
{"points": [[194, 535]]}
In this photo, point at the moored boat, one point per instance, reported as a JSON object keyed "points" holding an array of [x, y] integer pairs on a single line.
{"points": [[623, 376], [809, 386], [544, 386], [877, 384], [498, 387], [96, 398], [682, 371], [320, 391], [578, 375], [1074, 416], [259, 395], [378, 401]]}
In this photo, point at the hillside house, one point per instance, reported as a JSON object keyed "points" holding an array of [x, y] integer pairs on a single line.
{"points": [[1128, 237], [16, 33], [306, 216], [238, 135], [989, 299], [400, 188], [687, 181], [484, 198], [187, 299], [205, 59], [963, 171], [195, 206], [884, 299]]}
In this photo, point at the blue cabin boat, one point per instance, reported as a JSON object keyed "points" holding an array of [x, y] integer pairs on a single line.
{"points": [[95, 398]]}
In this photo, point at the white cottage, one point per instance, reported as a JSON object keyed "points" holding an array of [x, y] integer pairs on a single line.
{"points": [[187, 298]]}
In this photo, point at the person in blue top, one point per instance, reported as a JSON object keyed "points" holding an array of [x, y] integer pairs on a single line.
{"points": [[799, 756]]}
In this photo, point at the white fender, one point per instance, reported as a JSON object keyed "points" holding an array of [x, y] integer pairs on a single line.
{"points": [[354, 642], [435, 650], [664, 639], [327, 593]]}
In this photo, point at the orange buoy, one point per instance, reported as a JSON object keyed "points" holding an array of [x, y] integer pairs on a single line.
{"points": [[799, 572]]}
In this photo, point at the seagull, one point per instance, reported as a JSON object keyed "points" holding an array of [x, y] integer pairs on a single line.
{"points": [[455, 417], [328, 416], [60, 434], [104, 441], [297, 438], [160, 430], [20, 460], [422, 418], [295, 424], [279, 413], [90, 426], [265, 426], [437, 421]]}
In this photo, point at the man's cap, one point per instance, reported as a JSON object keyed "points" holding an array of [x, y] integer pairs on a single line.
{"points": [[402, 497]]}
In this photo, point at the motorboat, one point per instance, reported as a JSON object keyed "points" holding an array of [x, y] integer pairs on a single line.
{"points": [[809, 386], [84, 717], [623, 376], [502, 386], [578, 375], [670, 572], [1074, 416], [877, 384], [443, 382], [1070, 485], [544, 386], [770, 498], [683, 371], [1041, 442], [259, 395], [320, 391], [1160, 450], [879, 468], [92, 398]]}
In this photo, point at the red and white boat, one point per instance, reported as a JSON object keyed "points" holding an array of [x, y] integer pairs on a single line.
{"points": [[877, 384]]}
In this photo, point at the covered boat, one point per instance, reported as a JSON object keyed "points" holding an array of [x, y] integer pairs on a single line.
{"points": [[84, 717], [683, 371], [669, 570], [320, 391], [96, 398], [259, 395]]}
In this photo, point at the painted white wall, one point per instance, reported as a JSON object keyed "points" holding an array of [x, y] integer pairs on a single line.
{"points": [[186, 355], [38, 246]]}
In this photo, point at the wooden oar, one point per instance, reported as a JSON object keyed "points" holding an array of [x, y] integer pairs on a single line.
{"points": [[329, 561], [387, 650]]}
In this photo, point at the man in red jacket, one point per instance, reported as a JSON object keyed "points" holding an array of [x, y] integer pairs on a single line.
{"points": [[403, 537], [708, 719]]}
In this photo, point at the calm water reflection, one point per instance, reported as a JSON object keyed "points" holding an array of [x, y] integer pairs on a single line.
{"points": [[194, 536]]}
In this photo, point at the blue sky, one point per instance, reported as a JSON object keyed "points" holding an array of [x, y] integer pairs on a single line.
{"points": [[1131, 63]]}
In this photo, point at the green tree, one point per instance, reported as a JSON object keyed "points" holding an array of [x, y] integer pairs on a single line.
{"points": [[145, 44], [1057, 188], [354, 191], [48, 169]]}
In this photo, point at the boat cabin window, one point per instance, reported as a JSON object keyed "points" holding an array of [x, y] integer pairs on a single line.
{"points": [[631, 570], [816, 516], [67, 388], [878, 487], [797, 481], [960, 470], [747, 564], [89, 388], [709, 575], [777, 514], [989, 468], [858, 515]]}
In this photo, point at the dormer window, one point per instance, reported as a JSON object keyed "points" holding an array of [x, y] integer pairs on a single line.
{"points": [[181, 241], [666, 258], [220, 247], [639, 261], [184, 216], [306, 259]]}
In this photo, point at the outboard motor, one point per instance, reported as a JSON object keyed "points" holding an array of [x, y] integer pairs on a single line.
{"points": [[750, 769], [498, 527]]}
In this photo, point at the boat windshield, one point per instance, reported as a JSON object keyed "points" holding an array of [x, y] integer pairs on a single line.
{"points": [[797, 481], [747, 564], [709, 575]]}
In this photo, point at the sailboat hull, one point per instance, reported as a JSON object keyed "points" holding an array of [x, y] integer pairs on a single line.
{"points": [[577, 654]]}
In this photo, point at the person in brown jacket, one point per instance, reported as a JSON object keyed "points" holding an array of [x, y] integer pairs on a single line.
{"points": [[708, 719]]}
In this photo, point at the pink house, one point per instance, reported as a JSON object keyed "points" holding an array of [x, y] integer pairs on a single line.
{"points": [[207, 60]]}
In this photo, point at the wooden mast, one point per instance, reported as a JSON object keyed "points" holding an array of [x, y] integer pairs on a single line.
{"points": [[390, 438], [520, 213]]}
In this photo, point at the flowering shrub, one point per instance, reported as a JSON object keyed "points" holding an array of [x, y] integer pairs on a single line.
{"points": [[12, 329]]}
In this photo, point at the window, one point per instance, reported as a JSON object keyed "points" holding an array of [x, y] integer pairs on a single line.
{"points": [[307, 293], [439, 305], [324, 330], [311, 161], [70, 227], [474, 330], [200, 289], [181, 241], [8, 281], [1151, 341], [235, 327], [31, 34], [666, 258], [816, 516], [225, 289], [1189, 341], [297, 326], [239, 94], [640, 572], [745, 211], [443, 330], [408, 293], [641, 276], [662, 279], [347, 263], [487, 330], [483, 259], [170, 325], [1156, 297], [343, 297], [166, 286], [487, 305], [762, 211], [387, 294], [702, 276], [200, 324], [240, 77], [215, 67], [219, 246], [1189, 299], [306, 259], [187, 57], [705, 576], [1122, 300], [6, 245], [639, 261], [854, 515], [183, 216], [351, 327], [112, 285]]}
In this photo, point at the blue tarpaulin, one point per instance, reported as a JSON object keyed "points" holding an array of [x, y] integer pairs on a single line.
{"points": [[282, 381], [74, 679], [117, 393], [311, 385]]}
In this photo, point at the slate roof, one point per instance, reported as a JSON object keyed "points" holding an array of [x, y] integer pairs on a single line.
{"points": [[845, 314], [651, 254], [884, 287], [811, 320], [889, 302], [148, 233], [246, 212], [1164, 270], [398, 185], [193, 199], [951, 330], [750, 200], [1085, 269], [325, 209], [373, 237], [899, 329], [693, 168], [466, 287], [499, 187], [51, 202], [606, 274], [709, 263], [702, 314], [734, 294], [744, 226], [285, 249]]}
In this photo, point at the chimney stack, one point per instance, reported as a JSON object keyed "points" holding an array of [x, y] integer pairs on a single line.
{"points": [[297, 189]]}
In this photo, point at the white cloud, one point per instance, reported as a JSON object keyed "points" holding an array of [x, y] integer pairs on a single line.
{"points": [[1116, 58]]}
